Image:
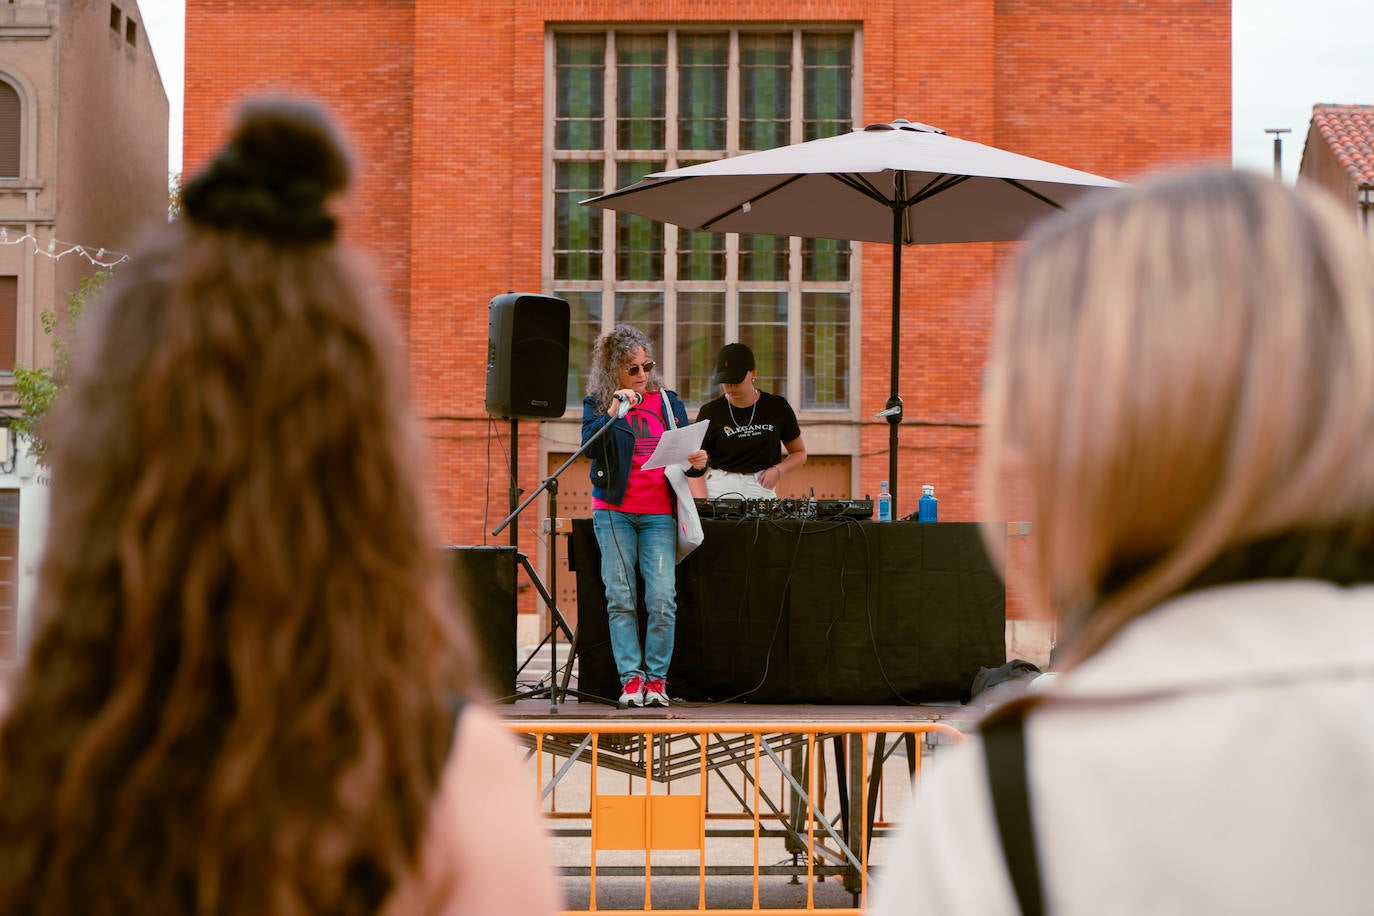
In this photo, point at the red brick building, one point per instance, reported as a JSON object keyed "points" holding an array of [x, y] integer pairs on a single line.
{"points": [[478, 126]]}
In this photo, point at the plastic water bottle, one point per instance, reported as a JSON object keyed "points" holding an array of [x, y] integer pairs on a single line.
{"points": [[928, 508], [884, 503]]}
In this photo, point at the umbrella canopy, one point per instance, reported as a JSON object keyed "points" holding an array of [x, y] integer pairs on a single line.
{"points": [[904, 183]]}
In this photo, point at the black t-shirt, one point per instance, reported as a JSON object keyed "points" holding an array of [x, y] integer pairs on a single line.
{"points": [[748, 439]]}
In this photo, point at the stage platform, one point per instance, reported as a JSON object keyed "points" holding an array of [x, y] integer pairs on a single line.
{"points": [[803, 715], [794, 793]]}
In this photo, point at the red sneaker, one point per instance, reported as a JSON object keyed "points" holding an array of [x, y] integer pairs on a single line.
{"points": [[656, 692], [632, 694]]}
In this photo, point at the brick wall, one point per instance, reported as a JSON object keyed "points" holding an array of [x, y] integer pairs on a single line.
{"points": [[444, 100], [356, 56]]}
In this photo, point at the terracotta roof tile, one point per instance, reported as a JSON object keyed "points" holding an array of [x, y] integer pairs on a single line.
{"points": [[1349, 131]]}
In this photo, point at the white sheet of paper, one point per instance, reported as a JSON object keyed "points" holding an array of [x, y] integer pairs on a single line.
{"points": [[677, 444]]}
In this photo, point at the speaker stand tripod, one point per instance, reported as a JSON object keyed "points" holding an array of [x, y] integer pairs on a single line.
{"points": [[557, 622]]}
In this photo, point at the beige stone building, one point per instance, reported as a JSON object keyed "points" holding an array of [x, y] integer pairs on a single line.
{"points": [[83, 167]]}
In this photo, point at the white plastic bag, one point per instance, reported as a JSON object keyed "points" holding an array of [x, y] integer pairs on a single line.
{"points": [[689, 533]]}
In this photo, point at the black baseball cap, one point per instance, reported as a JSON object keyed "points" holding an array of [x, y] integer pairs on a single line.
{"points": [[732, 362]]}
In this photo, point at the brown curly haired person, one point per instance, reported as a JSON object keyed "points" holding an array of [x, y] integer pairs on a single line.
{"points": [[248, 692]]}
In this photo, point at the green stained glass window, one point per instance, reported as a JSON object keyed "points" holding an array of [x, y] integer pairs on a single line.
{"points": [[577, 229], [703, 69], [641, 79], [638, 239], [825, 260], [827, 76], [765, 90], [700, 334], [584, 306], [644, 310], [763, 328], [825, 349], [762, 257], [700, 255], [580, 71], [629, 101]]}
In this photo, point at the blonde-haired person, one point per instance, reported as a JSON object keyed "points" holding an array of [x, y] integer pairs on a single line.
{"points": [[248, 692], [1181, 395]]}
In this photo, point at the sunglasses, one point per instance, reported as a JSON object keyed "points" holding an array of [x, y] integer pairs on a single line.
{"points": [[632, 370]]}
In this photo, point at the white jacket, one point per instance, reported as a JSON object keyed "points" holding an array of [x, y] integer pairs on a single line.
{"points": [[1217, 757]]}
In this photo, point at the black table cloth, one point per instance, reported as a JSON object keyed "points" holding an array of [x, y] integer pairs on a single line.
{"points": [[815, 611]]}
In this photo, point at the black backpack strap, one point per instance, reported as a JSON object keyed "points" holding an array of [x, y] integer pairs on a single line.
{"points": [[1004, 752], [455, 706]]}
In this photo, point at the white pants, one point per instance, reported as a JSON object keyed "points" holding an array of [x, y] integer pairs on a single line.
{"points": [[732, 483]]}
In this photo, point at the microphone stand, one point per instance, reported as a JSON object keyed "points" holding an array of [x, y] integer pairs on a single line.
{"points": [[550, 484]]}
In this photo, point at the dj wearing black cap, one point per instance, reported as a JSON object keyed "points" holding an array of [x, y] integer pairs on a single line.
{"points": [[754, 438]]}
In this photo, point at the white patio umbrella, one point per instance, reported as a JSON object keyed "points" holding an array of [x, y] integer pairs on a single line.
{"points": [[905, 183]]}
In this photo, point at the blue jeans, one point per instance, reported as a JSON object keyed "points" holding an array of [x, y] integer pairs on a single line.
{"points": [[628, 540]]}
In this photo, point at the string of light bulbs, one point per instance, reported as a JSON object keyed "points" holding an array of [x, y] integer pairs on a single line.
{"points": [[57, 250]]}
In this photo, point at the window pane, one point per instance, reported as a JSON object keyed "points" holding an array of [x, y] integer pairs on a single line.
{"points": [[827, 62], [700, 334], [580, 74], [641, 95], [762, 257], [584, 306], [825, 260], [638, 239], [703, 62], [11, 119], [825, 349], [9, 324], [700, 255], [763, 328], [644, 310], [765, 90], [577, 229]]}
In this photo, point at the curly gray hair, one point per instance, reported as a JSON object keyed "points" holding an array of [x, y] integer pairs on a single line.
{"points": [[611, 352]]}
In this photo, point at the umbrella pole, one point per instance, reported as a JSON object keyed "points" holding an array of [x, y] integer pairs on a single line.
{"points": [[893, 409]]}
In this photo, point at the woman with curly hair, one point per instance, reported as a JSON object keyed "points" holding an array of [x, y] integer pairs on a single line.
{"points": [[247, 690], [1180, 397], [632, 509]]}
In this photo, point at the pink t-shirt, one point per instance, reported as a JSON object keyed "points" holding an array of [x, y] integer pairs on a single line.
{"points": [[648, 492]]}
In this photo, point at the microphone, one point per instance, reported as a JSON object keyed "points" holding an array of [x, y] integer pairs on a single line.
{"points": [[625, 403]]}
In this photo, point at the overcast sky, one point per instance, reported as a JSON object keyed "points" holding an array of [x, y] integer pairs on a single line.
{"points": [[1286, 57]]}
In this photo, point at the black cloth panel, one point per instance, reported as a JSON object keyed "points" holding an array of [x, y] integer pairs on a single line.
{"points": [[483, 580], [834, 611]]}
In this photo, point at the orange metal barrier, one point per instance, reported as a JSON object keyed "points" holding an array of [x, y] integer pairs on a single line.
{"points": [[728, 795]]}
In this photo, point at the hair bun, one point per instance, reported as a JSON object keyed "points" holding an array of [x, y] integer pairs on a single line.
{"points": [[282, 160]]}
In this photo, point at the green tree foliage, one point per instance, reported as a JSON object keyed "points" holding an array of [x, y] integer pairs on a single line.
{"points": [[37, 389]]}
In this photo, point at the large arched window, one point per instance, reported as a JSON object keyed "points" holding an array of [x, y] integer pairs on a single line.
{"points": [[11, 119]]}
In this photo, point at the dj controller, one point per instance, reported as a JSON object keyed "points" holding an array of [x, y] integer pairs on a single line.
{"points": [[801, 507]]}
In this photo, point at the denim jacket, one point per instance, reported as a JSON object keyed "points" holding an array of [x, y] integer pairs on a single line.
{"points": [[613, 452]]}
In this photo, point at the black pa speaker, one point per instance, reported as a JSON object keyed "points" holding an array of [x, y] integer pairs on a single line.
{"points": [[527, 356], [484, 586]]}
